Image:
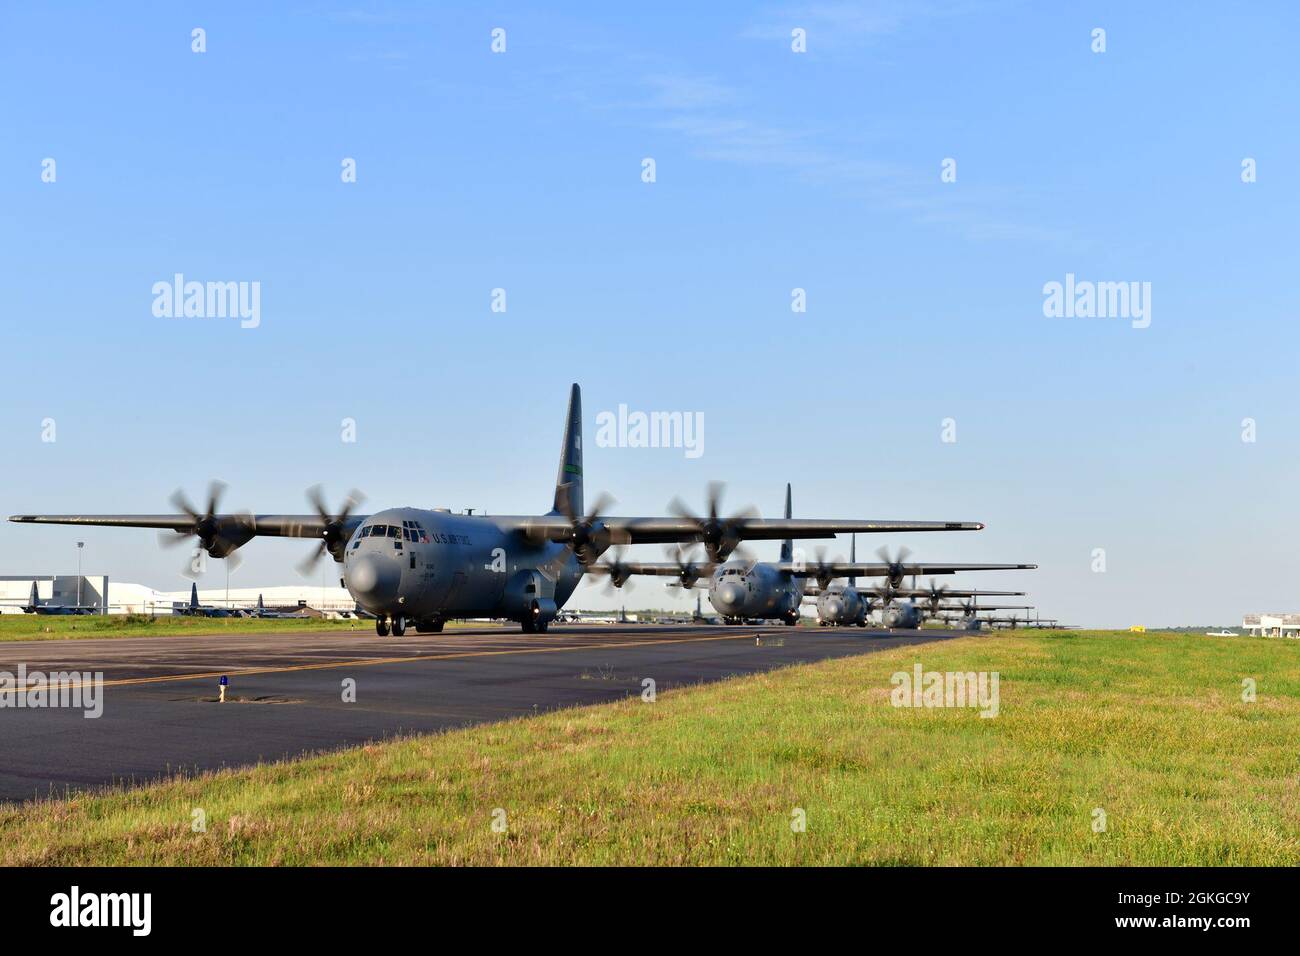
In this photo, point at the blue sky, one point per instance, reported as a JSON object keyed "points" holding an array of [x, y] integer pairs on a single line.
{"points": [[775, 170]]}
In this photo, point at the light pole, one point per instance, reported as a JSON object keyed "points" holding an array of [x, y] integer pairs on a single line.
{"points": [[80, 545]]}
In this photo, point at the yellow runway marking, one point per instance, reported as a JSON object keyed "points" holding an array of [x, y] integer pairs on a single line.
{"points": [[371, 661]]}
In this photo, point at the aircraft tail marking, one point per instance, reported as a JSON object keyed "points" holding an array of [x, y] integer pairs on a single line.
{"points": [[787, 546], [568, 482]]}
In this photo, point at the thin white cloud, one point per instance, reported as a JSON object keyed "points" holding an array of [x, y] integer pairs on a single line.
{"points": [[691, 107], [835, 22]]}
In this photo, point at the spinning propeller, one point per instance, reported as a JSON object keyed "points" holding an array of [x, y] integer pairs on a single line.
{"points": [[588, 538], [619, 575], [720, 536], [935, 597], [334, 536], [218, 538], [821, 569], [688, 572], [895, 571]]}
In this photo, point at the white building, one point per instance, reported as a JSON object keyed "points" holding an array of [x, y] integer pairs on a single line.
{"points": [[112, 597], [284, 596], [89, 590], [1272, 625]]}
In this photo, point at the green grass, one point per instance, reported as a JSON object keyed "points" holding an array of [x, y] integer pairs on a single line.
{"points": [[48, 627], [36, 627], [1150, 728]]}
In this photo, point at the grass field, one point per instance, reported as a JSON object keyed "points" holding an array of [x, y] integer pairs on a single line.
{"points": [[1150, 729], [36, 627]]}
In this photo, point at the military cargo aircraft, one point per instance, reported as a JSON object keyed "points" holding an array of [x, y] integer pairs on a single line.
{"points": [[262, 611], [747, 590], [34, 606], [195, 609], [960, 617], [993, 622], [842, 605], [420, 566]]}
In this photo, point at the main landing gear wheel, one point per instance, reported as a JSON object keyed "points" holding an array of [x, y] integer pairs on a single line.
{"points": [[791, 620], [399, 625], [381, 626]]}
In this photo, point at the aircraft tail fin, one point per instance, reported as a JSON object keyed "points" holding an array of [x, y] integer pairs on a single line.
{"points": [[36, 597], [787, 546], [260, 605], [568, 482], [194, 595]]}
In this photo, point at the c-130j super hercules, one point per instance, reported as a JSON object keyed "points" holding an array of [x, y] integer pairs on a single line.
{"points": [[424, 567]]}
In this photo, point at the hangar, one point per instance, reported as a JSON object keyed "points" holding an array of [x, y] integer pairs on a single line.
{"points": [[70, 589], [113, 597], [1279, 624]]}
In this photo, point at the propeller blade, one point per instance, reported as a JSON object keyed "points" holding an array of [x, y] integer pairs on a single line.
{"points": [[171, 539], [353, 501], [307, 566], [714, 493], [604, 501], [216, 489], [182, 504], [188, 571], [677, 508], [318, 501]]}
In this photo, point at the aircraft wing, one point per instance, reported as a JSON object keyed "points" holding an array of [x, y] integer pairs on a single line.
{"points": [[219, 534], [656, 568], [689, 575], [992, 607], [231, 525], [879, 569], [669, 530], [946, 593], [812, 590]]}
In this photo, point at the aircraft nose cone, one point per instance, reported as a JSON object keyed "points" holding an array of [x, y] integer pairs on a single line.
{"points": [[835, 609], [731, 594], [373, 580]]}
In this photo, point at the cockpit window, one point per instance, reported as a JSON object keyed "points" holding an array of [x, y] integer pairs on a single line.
{"points": [[393, 531]]}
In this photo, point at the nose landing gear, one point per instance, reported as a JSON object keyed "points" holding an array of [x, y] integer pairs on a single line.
{"points": [[397, 625]]}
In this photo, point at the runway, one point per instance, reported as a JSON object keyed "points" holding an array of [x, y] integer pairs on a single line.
{"points": [[285, 693]]}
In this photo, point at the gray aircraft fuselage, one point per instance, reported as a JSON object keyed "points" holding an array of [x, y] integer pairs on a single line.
{"points": [[901, 614], [842, 605], [434, 565], [738, 590]]}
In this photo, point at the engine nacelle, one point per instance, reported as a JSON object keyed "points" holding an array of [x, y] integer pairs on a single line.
{"points": [[528, 594], [543, 610]]}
